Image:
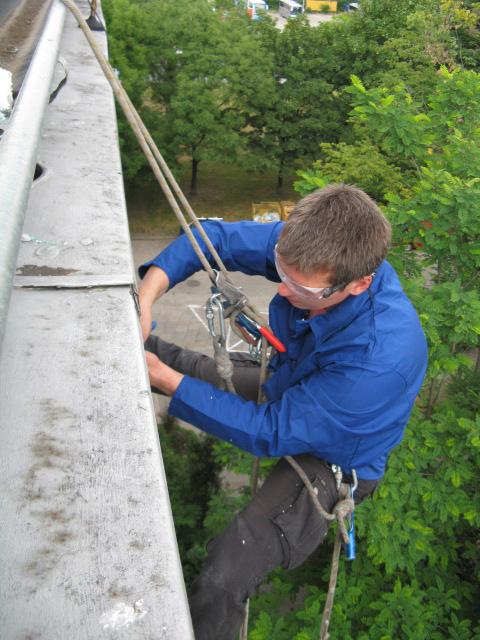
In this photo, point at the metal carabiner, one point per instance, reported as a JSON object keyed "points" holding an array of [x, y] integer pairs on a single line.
{"points": [[338, 473], [215, 300], [210, 317]]}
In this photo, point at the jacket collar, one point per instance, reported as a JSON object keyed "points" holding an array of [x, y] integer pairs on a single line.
{"points": [[338, 318]]}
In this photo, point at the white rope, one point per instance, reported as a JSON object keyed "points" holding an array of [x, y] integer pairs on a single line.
{"points": [[224, 365]]}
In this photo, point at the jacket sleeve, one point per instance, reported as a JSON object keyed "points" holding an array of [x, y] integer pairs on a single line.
{"points": [[326, 414], [243, 246]]}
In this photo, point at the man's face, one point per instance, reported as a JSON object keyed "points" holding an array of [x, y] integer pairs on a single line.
{"points": [[307, 300], [294, 281]]}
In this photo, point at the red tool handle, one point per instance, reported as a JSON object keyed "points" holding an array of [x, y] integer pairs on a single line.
{"points": [[275, 342]]}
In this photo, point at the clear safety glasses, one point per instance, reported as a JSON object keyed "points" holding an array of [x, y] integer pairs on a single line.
{"points": [[317, 293]]}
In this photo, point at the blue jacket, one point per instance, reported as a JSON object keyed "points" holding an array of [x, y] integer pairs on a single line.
{"points": [[344, 389]]}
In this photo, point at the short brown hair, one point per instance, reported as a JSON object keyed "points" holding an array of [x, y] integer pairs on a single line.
{"points": [[338, 229]]}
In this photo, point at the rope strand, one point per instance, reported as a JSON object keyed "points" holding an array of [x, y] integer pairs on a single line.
{"points": [[168, 183]]}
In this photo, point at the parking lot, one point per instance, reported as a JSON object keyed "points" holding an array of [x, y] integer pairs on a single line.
{"points": [[313, 18]]}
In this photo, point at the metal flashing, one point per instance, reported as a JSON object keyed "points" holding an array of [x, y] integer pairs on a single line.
{"points": [[18, 151]]}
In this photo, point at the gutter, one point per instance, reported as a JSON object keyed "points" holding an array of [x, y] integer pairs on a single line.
{"points": [[18, 151]]}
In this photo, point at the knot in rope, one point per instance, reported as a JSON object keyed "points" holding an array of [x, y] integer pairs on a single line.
{"points": [[342, 510]]}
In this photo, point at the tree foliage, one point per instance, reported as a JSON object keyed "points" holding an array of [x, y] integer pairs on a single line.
{"points": [[212, 85], [303, 109], [127, 54], [362, 164], [216, 73], [193, 480], [205, 75], [417, 575]]}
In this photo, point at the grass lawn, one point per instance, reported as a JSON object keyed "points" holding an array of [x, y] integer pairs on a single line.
{"points": [[223, 191]]}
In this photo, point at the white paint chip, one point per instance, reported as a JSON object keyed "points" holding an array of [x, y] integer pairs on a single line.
{"points": [[123, 615]]}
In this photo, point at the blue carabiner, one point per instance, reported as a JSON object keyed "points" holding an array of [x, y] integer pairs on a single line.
{"points": [[350, 546]]}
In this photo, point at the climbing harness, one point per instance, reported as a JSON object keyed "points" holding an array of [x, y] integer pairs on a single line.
{"points": [[228, 301]]}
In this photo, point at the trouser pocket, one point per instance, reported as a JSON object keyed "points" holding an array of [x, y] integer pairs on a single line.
{"points": [[302, 527]]}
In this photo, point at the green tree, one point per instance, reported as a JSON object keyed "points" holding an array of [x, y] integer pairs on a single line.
{"points": [[127, 53], [193, 71], [303, 108], [362, 164], [469, 37], [205, 72], [417, 570], [391, 41], [193, 481]]}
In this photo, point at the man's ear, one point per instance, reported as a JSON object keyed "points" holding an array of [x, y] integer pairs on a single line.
{"points": [[357, 287]]}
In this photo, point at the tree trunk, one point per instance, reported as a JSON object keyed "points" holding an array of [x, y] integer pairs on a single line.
{"points": [[193, 180], [280, 179], [280, 172]]}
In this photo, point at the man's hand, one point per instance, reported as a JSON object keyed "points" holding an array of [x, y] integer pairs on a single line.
{"points": [[153, 285], [161, 375]]}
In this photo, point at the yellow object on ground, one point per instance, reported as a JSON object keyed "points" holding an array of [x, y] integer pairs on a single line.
{"points": [[318, 5], [272, 211], [287, 207], [266, 211]]}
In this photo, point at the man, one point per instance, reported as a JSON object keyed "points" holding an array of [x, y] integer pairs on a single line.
{"points": [[340, 395]]}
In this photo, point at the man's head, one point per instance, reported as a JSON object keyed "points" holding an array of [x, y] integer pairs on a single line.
{"points": [[335, 238]]}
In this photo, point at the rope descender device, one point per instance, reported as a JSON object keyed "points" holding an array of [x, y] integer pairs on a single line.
{"points": [[230, 302]]}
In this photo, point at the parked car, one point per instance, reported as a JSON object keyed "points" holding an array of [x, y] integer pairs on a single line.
{"points": [[289, 8], [255, 8]]}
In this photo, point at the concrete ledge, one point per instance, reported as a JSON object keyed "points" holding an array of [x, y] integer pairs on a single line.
{"points": [[87, 543]]}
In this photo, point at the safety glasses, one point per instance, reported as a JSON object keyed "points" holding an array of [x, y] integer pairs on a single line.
{"points": [[316, 293]]}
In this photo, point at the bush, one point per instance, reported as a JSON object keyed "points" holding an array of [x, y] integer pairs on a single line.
{"points": [[193, 479]]}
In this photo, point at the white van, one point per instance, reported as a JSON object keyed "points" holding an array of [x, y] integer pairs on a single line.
{"points": [[289, 8], [255, 9]]}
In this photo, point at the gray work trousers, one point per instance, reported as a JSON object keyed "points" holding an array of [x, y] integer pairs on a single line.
{"points": [[280, 526]]}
